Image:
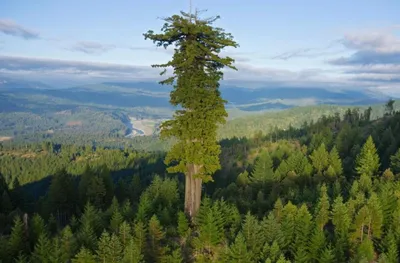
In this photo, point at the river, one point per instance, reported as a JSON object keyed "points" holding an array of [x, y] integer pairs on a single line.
{"points": [[132, 131]]}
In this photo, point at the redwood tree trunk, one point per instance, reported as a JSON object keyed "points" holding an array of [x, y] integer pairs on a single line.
{"points": [[192, 190]]}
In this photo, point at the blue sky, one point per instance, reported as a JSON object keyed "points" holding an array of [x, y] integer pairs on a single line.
{"points": [[340, 44]]}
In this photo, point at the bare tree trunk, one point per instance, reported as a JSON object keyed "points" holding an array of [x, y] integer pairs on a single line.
{"points": [[192, 190], [197, 191]]}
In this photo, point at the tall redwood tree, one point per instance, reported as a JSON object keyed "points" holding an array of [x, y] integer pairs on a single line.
{"points": [[197, 70]]}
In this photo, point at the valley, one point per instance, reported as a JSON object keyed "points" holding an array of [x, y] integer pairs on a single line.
{"points": [[113, 112]]}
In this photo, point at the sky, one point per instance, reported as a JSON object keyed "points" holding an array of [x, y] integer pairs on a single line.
{"points": [[309, 43]]}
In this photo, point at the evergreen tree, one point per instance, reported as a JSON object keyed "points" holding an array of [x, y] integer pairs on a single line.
{"points": [[17, 243], [197, 71], [183, 225], [43, 250], [322, 210], [251, 230], [210, 227], [155, 252], [395, 162], [327, 256], [84, 256], [116, 221], [139, 235], [174, 257], [335, 162], [263, 172], [238, 252], [132, 253], [320, 159], [110, 249], [68, 244], [367, 161], [37, 228], [124, 234]]}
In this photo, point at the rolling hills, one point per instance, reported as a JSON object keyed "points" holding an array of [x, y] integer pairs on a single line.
{"points": [[33, 111]]}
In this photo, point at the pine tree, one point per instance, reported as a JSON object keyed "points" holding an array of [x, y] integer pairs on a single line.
{"points": [[183, 225], [127, 211], [110, 249], [174, 257], [116, 221], [395, 162], [84, 256], [322, 210], [320, 159], [335, 162], [89, 227], [144, 208], [210, 227], [263, 172], [37, 228], [288, 225], [367, 162], [22, 259], [271, 228], [156, 251], [317, 243], [139, 235], [43, 250], [243, 179], [282, 259], [16, 243], [376, 217], [303, 226], [197, 71], [238, 251], [251, 230], [390, 246], [365, 251], [124, 233], [327, 256], [68, 244], [340, 217], [132, 253]]}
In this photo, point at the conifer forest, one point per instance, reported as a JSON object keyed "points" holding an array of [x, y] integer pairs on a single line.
{"points": [[327, 191]]}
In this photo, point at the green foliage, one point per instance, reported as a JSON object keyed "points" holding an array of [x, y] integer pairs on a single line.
{"points": [[110, 248], [238, 251], [395, 162], [197, 71], [84, 256], [210, 225], [320, 159], [367, 161], [263, 172], [16, 243], [298, 215]]}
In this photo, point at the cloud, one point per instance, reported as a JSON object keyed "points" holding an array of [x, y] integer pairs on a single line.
{"points": [[238, 56], [368, 57], [370, 48], [91, 47], [55, 71], [11, 28], [54, 68], [374, 61], [310, 52]]}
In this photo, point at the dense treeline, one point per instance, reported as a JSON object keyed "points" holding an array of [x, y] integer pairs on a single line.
{"points": [[325, 192], [30, 163], [270, 121]]}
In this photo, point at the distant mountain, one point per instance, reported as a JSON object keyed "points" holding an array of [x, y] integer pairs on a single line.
{"points": [[149, 94]]}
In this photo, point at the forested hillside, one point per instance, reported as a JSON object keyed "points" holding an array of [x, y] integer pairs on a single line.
{"points": [[327, 193], [313, 184]]}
